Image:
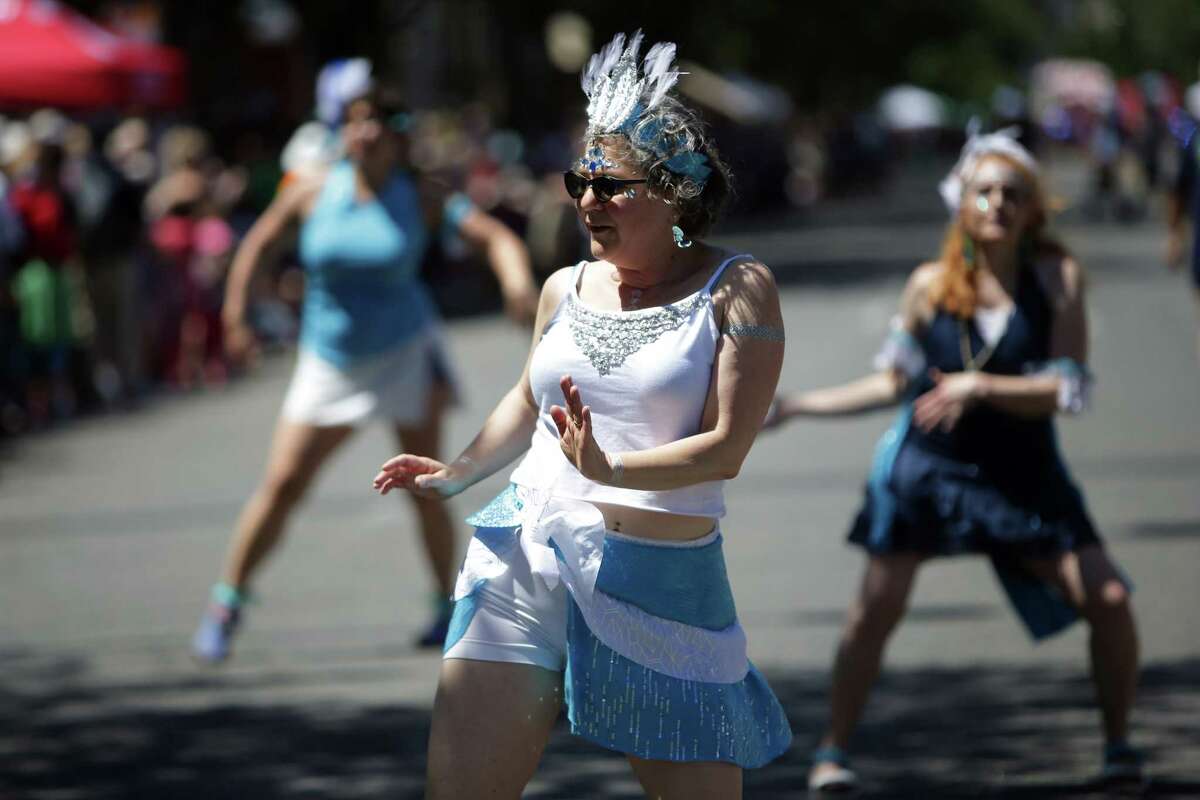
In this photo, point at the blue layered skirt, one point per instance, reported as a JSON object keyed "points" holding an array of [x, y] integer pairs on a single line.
{"points": [[656, 662], [919, 500]]}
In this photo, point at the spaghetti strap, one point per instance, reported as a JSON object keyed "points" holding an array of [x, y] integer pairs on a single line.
{"points": [[716, 276], [576, 274]]}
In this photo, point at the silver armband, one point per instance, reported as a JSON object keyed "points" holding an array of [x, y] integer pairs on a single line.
{"points": [[764, 332]]}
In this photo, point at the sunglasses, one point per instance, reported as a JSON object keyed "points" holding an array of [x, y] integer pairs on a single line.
{"points": [[603, 186]]}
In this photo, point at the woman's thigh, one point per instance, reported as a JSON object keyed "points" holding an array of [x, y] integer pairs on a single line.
{"points": [[688, 780], [491, 721], [298, 450]]}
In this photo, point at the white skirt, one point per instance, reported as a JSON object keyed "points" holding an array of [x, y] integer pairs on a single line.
{"points": [[394, 386]]}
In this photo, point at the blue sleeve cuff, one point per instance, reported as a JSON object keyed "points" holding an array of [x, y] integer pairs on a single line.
{"points": [[458, 206]]}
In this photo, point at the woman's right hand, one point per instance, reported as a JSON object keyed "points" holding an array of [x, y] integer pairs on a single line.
{"points": [[424, 477]]}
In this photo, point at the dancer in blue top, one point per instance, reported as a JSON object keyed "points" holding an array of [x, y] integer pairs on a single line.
{"points": [[990, 343], [370, 343]]}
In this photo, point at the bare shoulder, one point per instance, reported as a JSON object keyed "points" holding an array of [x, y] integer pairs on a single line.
{"points": [[916, 304], [921, 280], [746, 302], [556, 288], [300, 194], [746, 281], [559, 281]]}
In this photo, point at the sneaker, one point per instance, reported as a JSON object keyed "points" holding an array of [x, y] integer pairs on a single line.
{"points": [[1122, 764], [211, 644]]}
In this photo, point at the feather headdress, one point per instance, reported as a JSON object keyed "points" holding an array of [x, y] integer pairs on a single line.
{"points": [[616, 94], [619, 97]]}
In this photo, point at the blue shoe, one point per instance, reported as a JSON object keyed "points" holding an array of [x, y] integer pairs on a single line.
{"points": [[1122, 764], [212, 642]]}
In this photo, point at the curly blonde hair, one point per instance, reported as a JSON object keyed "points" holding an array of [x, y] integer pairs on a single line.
{"points": [[700, 204]]}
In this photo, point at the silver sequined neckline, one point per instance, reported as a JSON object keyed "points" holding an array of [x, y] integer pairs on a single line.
{"points": [[608, 338]]}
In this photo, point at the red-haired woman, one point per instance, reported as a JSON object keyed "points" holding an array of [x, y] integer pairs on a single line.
{"points": [[990, 343]]}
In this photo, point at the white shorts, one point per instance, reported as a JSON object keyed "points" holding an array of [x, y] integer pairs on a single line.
{"points": [[516, 619], [394, 386]]}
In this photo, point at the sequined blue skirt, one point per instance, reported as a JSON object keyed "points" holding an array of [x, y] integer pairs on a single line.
{"points": [[661, 673], [621, 705]]}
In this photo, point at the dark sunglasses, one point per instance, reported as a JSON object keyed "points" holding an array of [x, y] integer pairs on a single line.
{"points": [[603, 186]]}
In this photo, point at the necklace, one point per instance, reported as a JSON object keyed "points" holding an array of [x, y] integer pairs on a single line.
{"points": [[972, 363], [636, 292]]}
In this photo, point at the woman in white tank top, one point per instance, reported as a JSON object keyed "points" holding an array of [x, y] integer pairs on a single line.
{"points": [[596, 581]]}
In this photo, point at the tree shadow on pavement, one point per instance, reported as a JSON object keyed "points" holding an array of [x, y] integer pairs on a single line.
{"points": [[995, 732]]}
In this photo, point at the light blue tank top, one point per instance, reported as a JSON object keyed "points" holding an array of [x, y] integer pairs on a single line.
{"points": [[361, 262]]}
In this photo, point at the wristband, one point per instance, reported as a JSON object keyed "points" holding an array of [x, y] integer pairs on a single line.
{"points": [[618, 469]]}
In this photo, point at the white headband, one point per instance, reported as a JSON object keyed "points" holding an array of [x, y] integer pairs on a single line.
{"points": [[1002, 142]]}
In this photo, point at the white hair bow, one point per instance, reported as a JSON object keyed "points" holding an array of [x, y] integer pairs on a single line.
{"points": [[1001, 142]]}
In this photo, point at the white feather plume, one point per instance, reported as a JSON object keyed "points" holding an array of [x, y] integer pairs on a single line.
{"points": [[612, 84], [658, 73], [601, 63]]}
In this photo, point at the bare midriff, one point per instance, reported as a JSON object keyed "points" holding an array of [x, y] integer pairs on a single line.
{"points": [[654, 524]]}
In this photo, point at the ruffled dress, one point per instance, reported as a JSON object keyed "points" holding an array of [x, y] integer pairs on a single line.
{"points": [[996, 484]]}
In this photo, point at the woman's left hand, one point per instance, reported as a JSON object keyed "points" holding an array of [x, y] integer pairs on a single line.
{"points": [[944, 405], [423, 476], [574, 424]]}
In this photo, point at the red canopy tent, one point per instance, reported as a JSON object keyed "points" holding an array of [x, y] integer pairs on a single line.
{"points": [[53, 56]]}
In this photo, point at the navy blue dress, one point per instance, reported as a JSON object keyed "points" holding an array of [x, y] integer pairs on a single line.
{"points": [[994, 485]]}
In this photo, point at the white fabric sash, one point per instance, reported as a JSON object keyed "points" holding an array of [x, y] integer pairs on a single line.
{"points": [[577, 529]]}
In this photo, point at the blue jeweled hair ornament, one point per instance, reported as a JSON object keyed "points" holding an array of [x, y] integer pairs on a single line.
{"points": [[618, 100]]}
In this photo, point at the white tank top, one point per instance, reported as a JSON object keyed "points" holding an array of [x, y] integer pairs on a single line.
{"points": [[645, 373]]}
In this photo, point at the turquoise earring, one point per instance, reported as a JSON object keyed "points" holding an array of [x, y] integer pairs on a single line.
{"points": [[681, 240], [968, 251]]}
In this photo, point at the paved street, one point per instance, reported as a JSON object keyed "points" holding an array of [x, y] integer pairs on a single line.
{"points": [[111, 531]]}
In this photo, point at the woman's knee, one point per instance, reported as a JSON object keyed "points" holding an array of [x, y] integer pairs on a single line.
{"points": [[284, 488], [874, 621], [880, 607], [1105, 594], [1107, 601]]}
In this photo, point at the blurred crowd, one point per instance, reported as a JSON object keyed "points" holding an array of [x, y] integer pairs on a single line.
{"points": [[115, 244], [115, 239], [1133, 142]]}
